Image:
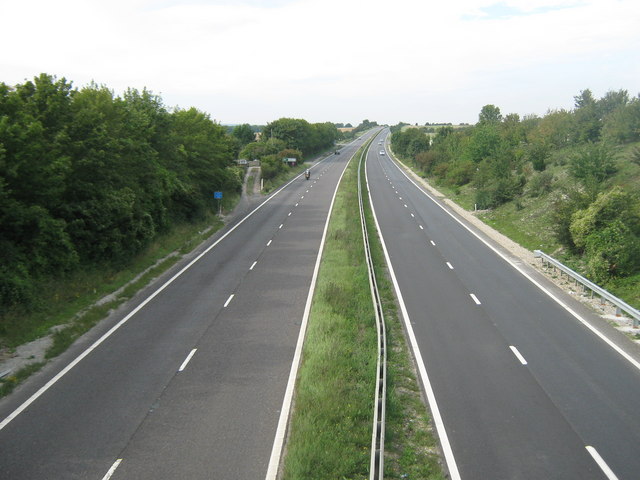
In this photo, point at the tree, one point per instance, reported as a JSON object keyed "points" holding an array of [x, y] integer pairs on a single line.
{"points": [[592, 165], [587, 118], [489, 114], [608, 232], [244, 133]]}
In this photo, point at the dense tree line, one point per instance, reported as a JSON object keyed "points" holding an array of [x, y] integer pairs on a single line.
{"points": [[289, 138], [88, 177], [502, 158]]}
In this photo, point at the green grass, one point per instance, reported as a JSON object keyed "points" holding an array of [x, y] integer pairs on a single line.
{"points": [[330, 429], [69, 302], [411, 448], [330, 432]]}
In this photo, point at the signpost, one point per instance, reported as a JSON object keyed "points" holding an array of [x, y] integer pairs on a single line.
{"points": [[218, 196]]}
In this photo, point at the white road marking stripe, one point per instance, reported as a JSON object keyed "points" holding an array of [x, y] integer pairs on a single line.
{"points": [[572, 312], [278, 442], [289, 214], [601, 463], [296, 204], [518, 354], [413, 216], [269, 242], [405, 206], [449, 265], [421, 227], [432, 242], [280, 226], [253, 265], [475, 299], [431, 398], [229, 300], [110, 332], [112, 470], [186, 360]]}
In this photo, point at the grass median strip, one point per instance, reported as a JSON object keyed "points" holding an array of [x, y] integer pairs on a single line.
{"points": [[330, 429]]}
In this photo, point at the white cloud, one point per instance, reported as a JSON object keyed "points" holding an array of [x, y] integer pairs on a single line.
{"points": [[339, 60]]}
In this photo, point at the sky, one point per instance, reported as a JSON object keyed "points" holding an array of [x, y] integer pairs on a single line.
{"points": [[342, 61]]}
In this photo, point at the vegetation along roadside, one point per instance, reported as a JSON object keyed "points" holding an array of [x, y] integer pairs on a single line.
{"points": [[566, 183], [330, 428]]}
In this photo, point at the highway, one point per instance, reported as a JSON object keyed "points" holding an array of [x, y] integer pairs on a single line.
{"points": [[522, 388], [187, 380]]}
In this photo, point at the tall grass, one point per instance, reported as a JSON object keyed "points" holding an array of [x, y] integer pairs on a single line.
{"points": [[331, 425], [330, 432]]}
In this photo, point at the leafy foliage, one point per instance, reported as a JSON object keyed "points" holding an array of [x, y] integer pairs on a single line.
{"points": [[87, 177], [608, 232], [571, 156]]}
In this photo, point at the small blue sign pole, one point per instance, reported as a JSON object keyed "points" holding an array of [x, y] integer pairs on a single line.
{"points": [[218, 196]]}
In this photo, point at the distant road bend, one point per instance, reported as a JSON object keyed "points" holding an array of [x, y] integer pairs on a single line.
{"points": [[519, 387], [191, 379]]}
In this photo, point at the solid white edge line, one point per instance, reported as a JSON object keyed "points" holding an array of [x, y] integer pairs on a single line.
{"points": [[433, 405], [281, 431], [228, 300], [475, 299], [186, 360], [142, 304], [112, 470], [253, 265], [518, 355], [601, 463], [572, 312]]}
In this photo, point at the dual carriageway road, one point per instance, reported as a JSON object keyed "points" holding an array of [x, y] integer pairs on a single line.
{"points": [[191, 382]]}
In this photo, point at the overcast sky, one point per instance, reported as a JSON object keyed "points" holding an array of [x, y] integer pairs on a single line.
{"points": [[254, 61]]}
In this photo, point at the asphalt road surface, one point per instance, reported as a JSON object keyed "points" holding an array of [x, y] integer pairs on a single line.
{"points": [[524, 389], [191, 383]]}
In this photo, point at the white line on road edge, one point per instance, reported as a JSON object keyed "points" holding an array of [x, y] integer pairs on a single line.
{"points": [[450, 460], [518, 355], [278, 442], [575, 314], [112, 470], [475, 299], [601, 463], [228, 300], [142, 304], [253, 265], [186, 360]]}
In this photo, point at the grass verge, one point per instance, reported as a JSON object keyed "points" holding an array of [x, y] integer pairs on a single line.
{"points": [[330, 428], [71, 302]]}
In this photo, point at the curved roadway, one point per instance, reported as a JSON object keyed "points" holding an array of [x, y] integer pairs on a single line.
{"points": [[190, 381], [523, 388]]}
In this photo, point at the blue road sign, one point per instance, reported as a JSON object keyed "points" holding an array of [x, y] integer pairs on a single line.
{"points": [[217, 195]]}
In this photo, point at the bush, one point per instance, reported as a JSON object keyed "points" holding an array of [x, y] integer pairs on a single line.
{"points": [[540, 184]]}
